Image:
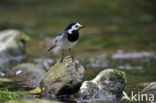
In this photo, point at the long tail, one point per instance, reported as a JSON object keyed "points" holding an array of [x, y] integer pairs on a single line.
{"points": [[54, 48], [49, 50]]}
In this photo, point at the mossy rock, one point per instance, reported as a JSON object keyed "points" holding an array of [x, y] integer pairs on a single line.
{"points": [[105, 87]]}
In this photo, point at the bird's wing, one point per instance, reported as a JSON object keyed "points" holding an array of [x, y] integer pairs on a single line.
{"points": [[60, 37]]}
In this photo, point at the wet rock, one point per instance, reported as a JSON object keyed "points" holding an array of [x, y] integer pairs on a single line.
{"points": [[105, 87], [27, 74], [2, 74], [6, 84], [150, 89], [62, 79], [12, 48], [33, 101]]}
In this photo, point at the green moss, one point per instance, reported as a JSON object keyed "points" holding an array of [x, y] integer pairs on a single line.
{"points": [[22, 35], [6, 95], [120, 74]]}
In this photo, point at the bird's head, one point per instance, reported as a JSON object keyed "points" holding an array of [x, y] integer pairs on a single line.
{"points": [[74, 27]]}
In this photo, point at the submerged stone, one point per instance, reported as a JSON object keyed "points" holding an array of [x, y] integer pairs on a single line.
{"points": [[107, 86], [63, 78]]}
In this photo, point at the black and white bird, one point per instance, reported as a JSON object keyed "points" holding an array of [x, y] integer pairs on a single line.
{"points": [[66, 39]]}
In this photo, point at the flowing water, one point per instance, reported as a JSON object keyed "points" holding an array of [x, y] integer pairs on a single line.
{"points": [[111, 25], [138, 66]]}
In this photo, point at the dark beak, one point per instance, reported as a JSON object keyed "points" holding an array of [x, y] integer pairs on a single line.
{"points": [[83, 26]]}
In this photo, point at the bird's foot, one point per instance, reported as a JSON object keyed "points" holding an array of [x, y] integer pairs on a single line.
{"points": [[61, 60], [73, 58]]}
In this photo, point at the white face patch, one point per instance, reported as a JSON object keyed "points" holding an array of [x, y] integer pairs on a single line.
{"points": [[18, 72], [77, 26]]}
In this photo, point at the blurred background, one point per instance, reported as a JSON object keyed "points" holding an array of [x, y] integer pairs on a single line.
{"points": [[119, 33]]}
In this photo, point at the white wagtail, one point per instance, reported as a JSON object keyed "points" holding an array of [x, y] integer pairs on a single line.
{"points": [[66, 39]]}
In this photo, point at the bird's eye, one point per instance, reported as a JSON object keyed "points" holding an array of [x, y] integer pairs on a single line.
{"points": [[76, 25]]}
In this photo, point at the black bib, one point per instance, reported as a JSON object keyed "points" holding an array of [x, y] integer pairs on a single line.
{"points": [[74, 36]]}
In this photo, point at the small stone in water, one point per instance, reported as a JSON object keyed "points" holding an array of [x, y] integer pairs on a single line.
{"points": [[18, 72], [43, 89]]}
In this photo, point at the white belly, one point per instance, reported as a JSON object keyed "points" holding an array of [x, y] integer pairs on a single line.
{"points": [[66, 44]]}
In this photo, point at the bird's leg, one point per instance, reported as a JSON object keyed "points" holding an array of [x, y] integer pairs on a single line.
{"points": [[61, 60], [72, 56]]}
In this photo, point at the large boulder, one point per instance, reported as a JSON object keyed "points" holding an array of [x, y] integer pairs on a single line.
{"points": [[105, 87], [12, 48], [27, 74], [62, 79]]}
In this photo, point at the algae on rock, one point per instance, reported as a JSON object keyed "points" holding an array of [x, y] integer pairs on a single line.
{"points": [[6, 95], [105, 87]]}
